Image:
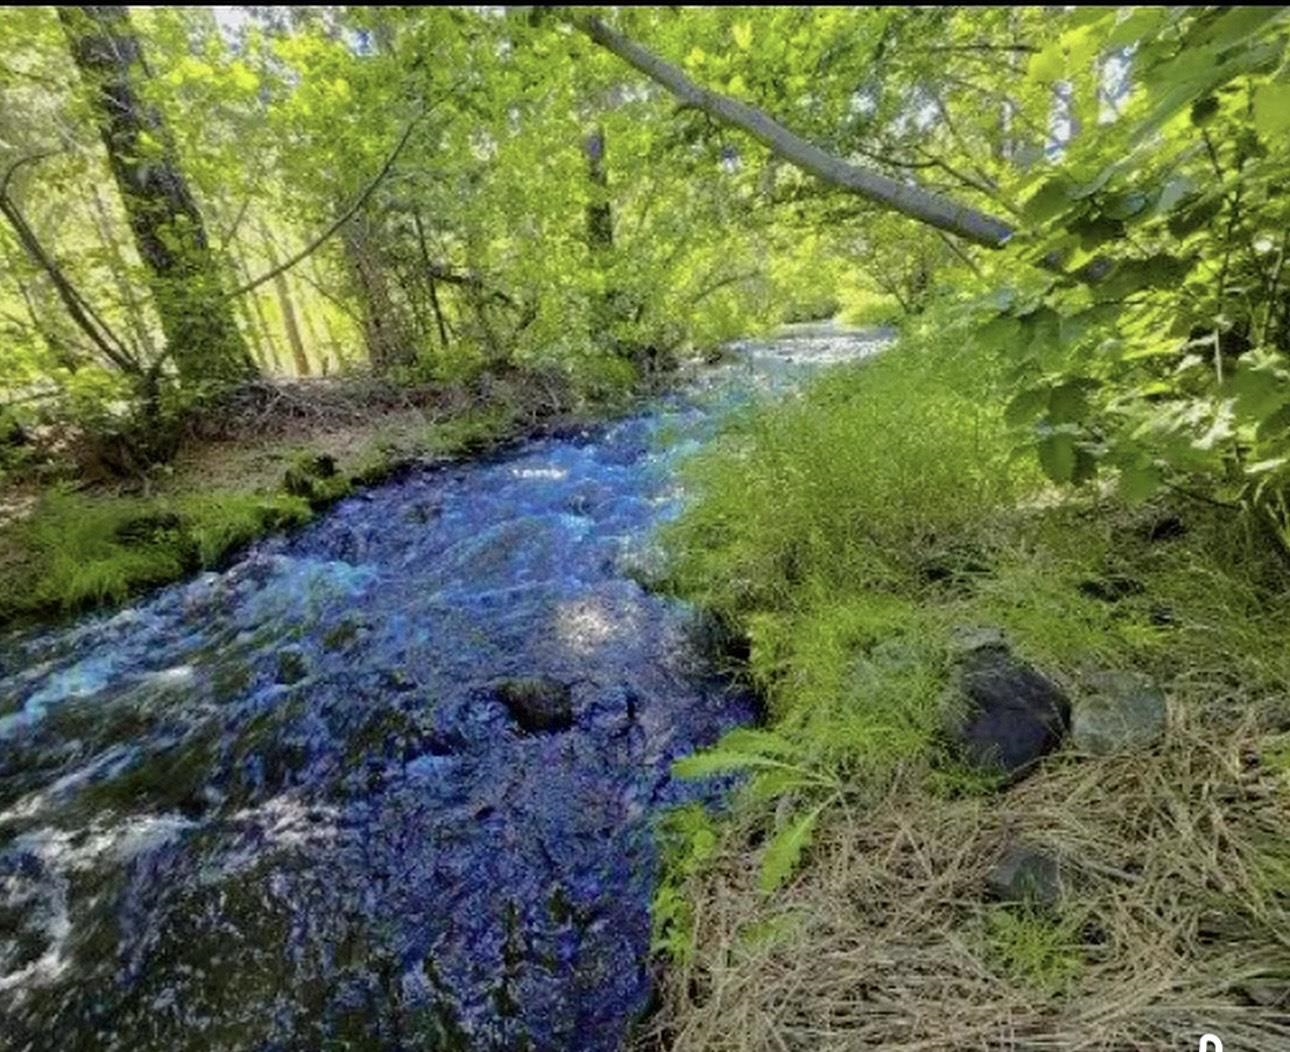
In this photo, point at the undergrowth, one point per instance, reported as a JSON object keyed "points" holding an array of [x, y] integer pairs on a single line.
{"points": [[846, 536]]}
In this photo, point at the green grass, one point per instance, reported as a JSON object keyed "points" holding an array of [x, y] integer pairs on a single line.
{"points": [[79, 550], [846, 533], [1036, 950], [850, 486], [82, 551]]}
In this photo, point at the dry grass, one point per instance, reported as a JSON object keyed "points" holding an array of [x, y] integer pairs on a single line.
{"points": [[1181, 877]]}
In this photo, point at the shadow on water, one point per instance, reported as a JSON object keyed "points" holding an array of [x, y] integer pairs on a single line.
{"points": [[385, 783]]}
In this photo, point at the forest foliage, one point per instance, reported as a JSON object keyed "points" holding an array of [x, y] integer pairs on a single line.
{"points": [[467, 187]]}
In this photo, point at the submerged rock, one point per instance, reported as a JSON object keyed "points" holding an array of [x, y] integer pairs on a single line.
{"points": [[291, 666], [539, 704], [1005, 715], [1117, 712]]}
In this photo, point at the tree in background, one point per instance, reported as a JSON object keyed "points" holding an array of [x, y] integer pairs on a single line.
{"points": [[186, 280]]}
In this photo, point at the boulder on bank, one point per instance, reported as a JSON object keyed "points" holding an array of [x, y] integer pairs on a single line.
{"points": [[1117, 712], [1004, 714]]}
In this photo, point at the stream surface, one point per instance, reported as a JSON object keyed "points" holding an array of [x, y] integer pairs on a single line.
{"points": [[292, 805]]}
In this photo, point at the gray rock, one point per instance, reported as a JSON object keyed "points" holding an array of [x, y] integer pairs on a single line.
{"points": [[1117, 712], [966, 638], [1004, 715], [1026, 874], [539, 704]]}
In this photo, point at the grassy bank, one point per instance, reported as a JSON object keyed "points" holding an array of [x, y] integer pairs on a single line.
{"points": [[848, 536], [271, 459]]}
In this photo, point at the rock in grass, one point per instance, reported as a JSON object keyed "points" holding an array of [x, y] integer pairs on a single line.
{"points": [[1026, 874], [1006, 715], [1117, 712], [314, 477], [151, 527], [539, 704]]}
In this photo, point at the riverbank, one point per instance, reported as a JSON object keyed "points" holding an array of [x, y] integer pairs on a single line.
{"points": [[889, 553], [269, 458]]}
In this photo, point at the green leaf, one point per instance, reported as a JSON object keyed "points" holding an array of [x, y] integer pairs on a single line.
{"points": [[1051, 199], [1068, 404], [1025, 406], [1138, 482], [1057, 456], [715, 762], [1272, 109], [1259, 392], [785, 851], [1049, 64], [742, 32], [755, 740]]}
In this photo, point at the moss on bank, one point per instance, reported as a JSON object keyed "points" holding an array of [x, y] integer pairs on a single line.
{"points": [[845, 536], [69, 548]]}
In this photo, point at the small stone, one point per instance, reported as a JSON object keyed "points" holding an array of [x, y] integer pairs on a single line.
{"points": [[1117, 712], [1025, 874], [291, 666], [1267, 993], [539, 704], [966, 638], [1005, 715]]}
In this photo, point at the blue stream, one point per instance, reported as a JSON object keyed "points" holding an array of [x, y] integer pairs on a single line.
{"points": [[284, 806]]}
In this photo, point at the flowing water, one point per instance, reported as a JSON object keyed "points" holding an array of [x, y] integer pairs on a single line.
{"points": [[385, 783]]}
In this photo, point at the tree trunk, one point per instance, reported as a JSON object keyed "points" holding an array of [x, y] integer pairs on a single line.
{"points": [[600, 233], [385, 329], [440, 323], [600, 215], [137, 314], [286, 306], [196, 315], [253, 314], [908, 199]]}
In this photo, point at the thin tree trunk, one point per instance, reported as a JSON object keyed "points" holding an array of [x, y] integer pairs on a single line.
{"points": [[907, 198], [260, 326], [430, 281], [199, 322], [600, 231], [385, 330], [138, 315], [286, 306]]}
